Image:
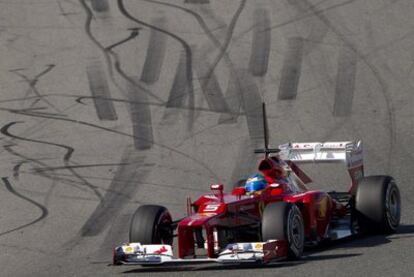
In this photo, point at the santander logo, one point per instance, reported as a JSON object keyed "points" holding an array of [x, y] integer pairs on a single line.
{"points": [[161, 250]]}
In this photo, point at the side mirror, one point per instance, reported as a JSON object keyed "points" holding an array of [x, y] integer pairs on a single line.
{"points": [[217, 190], [239, 191], [274, 185], [275, 189]]}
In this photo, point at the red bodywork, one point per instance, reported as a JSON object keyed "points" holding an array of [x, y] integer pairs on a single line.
{"points": [[236, 210]]}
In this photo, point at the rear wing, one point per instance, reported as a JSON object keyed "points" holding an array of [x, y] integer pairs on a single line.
{"points": [[348, 152]]}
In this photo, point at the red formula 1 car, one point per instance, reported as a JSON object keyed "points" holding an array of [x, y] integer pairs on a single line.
{"points": [[274, 223]]}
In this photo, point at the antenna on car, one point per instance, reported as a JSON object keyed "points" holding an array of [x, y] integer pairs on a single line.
{"points": [[266, 150]]}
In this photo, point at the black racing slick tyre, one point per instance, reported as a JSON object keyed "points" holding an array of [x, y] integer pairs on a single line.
{"points": [[151, 224], [378, 205], [283, 221]]}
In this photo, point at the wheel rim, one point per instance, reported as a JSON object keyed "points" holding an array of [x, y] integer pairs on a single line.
{"points": [[392, 205], [164, 234], [295, 232]]}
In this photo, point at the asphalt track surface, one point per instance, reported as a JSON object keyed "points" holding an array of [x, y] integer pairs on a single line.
{"points": [[98, 117]]}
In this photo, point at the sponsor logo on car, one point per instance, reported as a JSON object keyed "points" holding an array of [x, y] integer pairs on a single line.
{"points": [[258, 246], [211, 208], [161, 250]]}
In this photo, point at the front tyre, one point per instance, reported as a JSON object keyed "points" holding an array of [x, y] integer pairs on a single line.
{"points": [[283, 221], [378, 205], [151, 224]]}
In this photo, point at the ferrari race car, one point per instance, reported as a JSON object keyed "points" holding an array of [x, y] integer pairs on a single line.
{"points": [[269, 219], [274, 223]]}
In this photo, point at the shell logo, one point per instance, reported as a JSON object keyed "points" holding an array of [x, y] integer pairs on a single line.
{"points": [[258, 246]]}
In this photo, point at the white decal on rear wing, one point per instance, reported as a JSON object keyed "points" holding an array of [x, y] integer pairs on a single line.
{"points": [[349, 152]]}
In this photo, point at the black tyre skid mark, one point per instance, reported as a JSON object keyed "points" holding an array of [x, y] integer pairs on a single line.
{"points": [[210, 85], [188, 52], [43, 209], [377, 75], [291, 70], [108, 53], [99, 88], [53, 168], [155, 55], [318, 30], [178, 91], [228, 38], [141, 119], [16, 169], [43, 174], [234, 107], [260, 50], [113, 203], [295, 19], [207, 79], [79, 99], [100, 5], [345, 82], [66, 158], [80, 122], [32, 84], [61, 177]]}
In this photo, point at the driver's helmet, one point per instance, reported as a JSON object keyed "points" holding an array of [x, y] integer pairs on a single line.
{"points": [[255, 182]]}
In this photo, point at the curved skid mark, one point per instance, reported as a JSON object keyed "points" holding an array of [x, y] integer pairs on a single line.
{"points": [[54, 168], [80, 122], [188, 53], [228, 37], [44, 211], [107, 52], [5, 131], [35, 161], [16, 169], [69, 151], [79, 99], [259, 56], [87, 27], [291, 70], [134, 34], [32, 84], [233, 112], [137, 182]]}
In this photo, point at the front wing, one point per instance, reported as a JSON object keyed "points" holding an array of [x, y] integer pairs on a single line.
{"points": [[236, 253]]}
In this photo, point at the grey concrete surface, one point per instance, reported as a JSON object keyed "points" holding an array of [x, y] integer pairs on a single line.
{"points": [[74, 165]]}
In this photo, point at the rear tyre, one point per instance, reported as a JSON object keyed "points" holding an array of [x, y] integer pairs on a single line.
{"points": [[283, 221], [378, 205], [151, 224]]}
